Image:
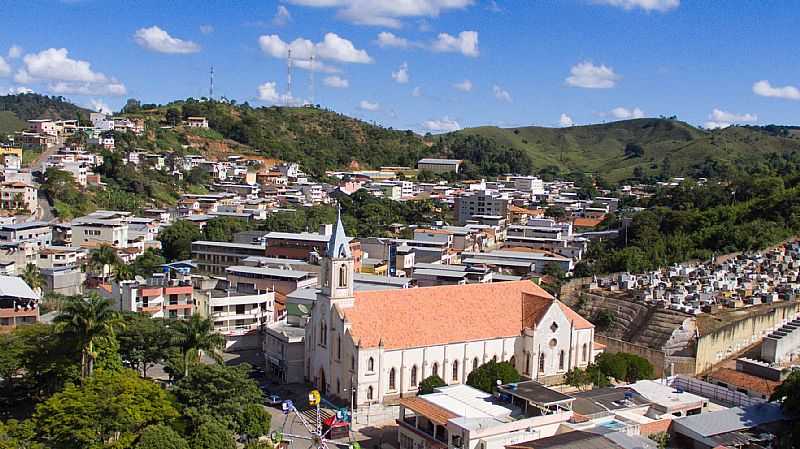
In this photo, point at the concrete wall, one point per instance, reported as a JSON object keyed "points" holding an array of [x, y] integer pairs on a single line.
{"points": [[734, 338], [660, 361]]}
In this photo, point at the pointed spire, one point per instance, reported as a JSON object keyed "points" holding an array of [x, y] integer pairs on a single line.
{"points": [[339, 244]]}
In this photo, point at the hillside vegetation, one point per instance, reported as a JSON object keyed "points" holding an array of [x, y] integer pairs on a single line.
{"points": [[33, 106], [665, 147]]}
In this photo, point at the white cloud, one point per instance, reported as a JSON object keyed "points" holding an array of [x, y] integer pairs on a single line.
{"points": [[206, 29], [282, 16], [417, 92], [387, 39], [14, 52], [647, 5], [722, 119], [401, 75], [492, 6], [719, 115], [105, 89], [66, 75], [388, 13], [158, 40], [501, 94], [621, 113], [5, 69], [442, 125], [55, 64], [565, 120], [365, 105], [336, 82], [19, 90], [590, 76], [332, 48], [268, 93], [466, 43], [765, 89], [99, 106], [464, 86]]}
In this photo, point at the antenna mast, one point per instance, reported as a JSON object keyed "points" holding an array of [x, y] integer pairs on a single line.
{"points": [[211, 85], [313, 85]]}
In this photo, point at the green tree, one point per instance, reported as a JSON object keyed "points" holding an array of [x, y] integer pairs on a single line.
{"points": [[254, 421], [577, 378], [143, 341], [109, 410], [33, 277], [103, 258], [196, 336], [18, 435], [430, 383], [148, 263], [225, 392], [211, 434], [160, 436], [122, 272], [176, 240], [222, 229], [788, 394], [633, 150], [557, 212], [486, 376], [87, 320], [173, 116]]}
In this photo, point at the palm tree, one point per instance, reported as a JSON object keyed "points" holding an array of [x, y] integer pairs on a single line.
{"points": [[100, 257], [195, 336], [88, 319], [33, 277], [123, 272]]}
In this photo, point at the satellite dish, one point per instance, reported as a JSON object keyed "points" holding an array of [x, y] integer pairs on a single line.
{"points": [[139, 279], [302, 308]]}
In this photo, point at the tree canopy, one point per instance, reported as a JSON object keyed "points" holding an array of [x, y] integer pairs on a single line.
{"points": [[486, 376]]}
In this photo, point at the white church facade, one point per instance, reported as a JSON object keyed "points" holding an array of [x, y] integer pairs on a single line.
{"points": [[377, 346]]}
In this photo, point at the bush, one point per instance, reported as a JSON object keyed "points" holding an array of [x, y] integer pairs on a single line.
{"points": [[212, 434], [486, 376], [160, 436], [429, 384]]}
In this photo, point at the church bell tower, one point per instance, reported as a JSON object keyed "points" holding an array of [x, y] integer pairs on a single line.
{"points": [[337, 268]]}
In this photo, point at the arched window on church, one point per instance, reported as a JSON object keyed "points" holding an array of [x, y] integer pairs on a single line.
{"points": [[528, 363], [338, 386], [369, 393], [414, 376], [338, 347], [352, 362], [475, 363], [342, 276], [561, 357], [585, 352], [435, 369], [324, 334], [455, 370], [371, 364], [392, 383], [541, 362]]}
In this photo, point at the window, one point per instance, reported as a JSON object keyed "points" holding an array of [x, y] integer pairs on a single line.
{"points": [[338, 347], [392, 376], [541, 362], [369, 393], [561, 357], [352, 362], [435, 369], [342, 276], [406, 442], [554, 327], [584, 352], [338, 386], [455, 370], [527, 363], [371, 364], [475, 364], [414, 376]]}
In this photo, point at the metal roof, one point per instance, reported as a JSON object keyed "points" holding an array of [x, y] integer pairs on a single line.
{"points": [[269, 272], [15, 287], [729, 420]]}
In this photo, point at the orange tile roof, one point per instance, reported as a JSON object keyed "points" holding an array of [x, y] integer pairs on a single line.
{"points": [[597, 346], [521, 210], [744, 380], [587, 222], [433, 231], [435, 413], [429, 316], [579, 321]]}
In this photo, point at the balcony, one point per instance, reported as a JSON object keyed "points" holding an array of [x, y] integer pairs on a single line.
{"points": [[18, 312], [178, 290], [149, 309], [179, 306]]}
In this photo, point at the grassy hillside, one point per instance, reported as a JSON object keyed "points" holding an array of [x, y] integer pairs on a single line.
{"points": [[680, 147], [9, 122], [32, 106]]}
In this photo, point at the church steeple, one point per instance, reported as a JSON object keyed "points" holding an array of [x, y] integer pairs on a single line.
{"points": [[337, 271], [338, 245]]}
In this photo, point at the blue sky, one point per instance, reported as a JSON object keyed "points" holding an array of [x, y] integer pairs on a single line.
{"points": [[542, 62]]}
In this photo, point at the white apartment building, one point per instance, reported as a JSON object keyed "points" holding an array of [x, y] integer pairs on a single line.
{"points": [[240, 317], [101, 228], [481, 202], [530, 184]]}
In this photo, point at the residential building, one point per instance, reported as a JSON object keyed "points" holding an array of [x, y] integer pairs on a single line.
{"points": [[215, 257], [37, 232], [468, 205], [18, 196], [19, 304], [160, 296], [439, 165], [197, 122], [101, 228]]}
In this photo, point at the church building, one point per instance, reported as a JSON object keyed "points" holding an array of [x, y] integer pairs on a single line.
{"points": [[375, 347]]}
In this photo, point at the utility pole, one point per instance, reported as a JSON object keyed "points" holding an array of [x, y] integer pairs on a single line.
{"points": [[288, 98]]}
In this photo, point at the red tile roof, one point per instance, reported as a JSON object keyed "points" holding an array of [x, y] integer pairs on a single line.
{"points": [[579, 321], [587, 222], [429, 316], [743, 380]]}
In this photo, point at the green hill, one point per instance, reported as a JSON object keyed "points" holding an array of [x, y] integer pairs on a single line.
{"points": [[33, 106], [668, 146], [9, 122]]}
